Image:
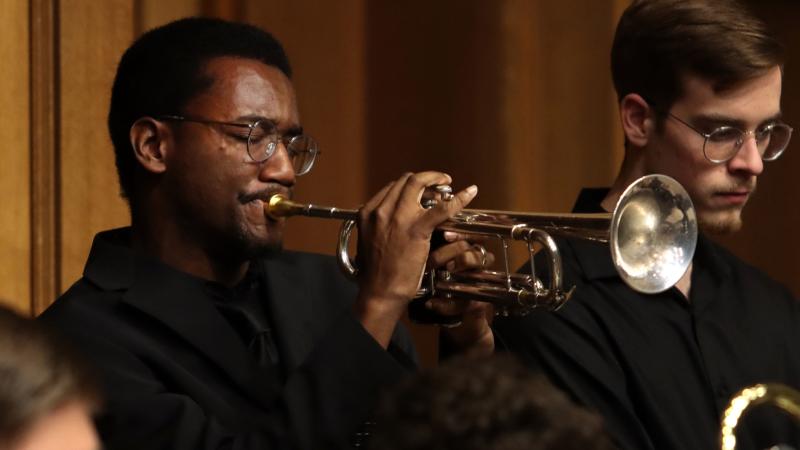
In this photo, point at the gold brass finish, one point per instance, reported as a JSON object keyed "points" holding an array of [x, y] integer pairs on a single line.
{"points": [[774, 394]]}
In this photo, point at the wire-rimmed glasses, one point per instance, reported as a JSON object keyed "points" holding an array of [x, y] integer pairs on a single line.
{"points": [[724, 143], [262, 139]]}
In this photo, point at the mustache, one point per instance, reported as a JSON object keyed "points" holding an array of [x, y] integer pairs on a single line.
{"points": [[736, 183], [749, 185], [266, 193]]}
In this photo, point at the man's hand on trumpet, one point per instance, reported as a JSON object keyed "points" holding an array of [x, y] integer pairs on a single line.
{"points": [[394, 245], [474, 335]]}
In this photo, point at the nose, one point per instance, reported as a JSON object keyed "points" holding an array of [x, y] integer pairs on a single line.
{"points": [[747, 159], [278, 168]]}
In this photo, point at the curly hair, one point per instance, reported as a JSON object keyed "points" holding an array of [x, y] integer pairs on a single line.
{"points": [[491, 404]]}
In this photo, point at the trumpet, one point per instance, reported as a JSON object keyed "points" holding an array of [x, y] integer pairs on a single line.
{"points": [[652, 234], [774, 394]]}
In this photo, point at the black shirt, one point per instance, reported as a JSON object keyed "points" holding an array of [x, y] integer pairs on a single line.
{"points": [[243, 307], [659, 368]]}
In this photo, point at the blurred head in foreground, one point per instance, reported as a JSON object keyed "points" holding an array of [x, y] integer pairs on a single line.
{"points": [[46, 396], [489, 404]]}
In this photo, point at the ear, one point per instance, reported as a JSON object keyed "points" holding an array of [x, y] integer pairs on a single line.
{"points": [[638, 119], [149, 139]]}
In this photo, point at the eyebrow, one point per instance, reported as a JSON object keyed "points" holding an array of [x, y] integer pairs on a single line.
{"points": [[708, 122]]}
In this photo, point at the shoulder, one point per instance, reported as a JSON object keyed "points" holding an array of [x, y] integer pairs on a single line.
{"points": [[754, 295], [83, 298], [749, 277]]}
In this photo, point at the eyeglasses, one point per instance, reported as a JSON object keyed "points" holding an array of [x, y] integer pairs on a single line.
{"points": [[262, 139], [723, 143]]}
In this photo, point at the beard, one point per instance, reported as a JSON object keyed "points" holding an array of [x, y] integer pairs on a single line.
{"points": [[253, 247], [717, 225], [728, 220]]}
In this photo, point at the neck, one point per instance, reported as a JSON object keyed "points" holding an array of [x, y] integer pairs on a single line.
{"points": [[632, 169], [171, 244]]}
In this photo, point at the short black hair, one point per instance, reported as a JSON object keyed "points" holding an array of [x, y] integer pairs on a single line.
{"points": [[163, 70], [492, 403]]}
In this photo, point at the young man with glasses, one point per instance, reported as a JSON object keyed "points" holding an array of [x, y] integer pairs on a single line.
{"points": [[699, 87], [206, 335]]}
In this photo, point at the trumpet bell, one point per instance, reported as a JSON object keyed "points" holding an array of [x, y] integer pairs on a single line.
{"points": [[653, 234]]}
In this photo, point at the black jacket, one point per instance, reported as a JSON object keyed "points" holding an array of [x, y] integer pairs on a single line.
{"points": [[177, 376]]}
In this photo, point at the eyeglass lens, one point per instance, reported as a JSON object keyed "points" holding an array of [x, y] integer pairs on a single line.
{"points": [[264, 140], [724, 143]]}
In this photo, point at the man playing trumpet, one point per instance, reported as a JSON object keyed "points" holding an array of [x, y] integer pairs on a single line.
{"points": [[699, 87], [206, 335]]}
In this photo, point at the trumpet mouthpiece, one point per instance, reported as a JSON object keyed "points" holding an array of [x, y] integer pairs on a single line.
{"points": [[278, 206]]}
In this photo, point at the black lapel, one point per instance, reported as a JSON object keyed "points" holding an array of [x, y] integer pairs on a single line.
{"points": [[289, 304], [179, 302]]}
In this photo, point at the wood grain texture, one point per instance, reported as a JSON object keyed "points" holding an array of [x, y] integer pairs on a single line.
{"points": [[15, 231], [93, 37], [44, 198], [149, 14]]}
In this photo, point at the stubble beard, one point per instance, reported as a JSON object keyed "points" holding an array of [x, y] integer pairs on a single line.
{"points": [[724, 221], [720, 226], [250, 246]]}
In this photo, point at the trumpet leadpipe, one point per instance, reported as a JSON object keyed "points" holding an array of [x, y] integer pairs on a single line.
{"points": [[280, 206]]}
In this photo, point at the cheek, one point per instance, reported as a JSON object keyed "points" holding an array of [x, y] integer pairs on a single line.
{"points": [[687, 165], [204, 182]]}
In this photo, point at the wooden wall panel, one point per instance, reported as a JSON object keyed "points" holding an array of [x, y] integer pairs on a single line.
{"points": [[15, 237], [93, 37], [558, 102], [45, 263], [435, 93], [152, 13]]}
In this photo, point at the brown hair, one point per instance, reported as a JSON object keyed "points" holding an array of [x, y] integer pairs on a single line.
{"points": [[658, 42], [38, 374]]}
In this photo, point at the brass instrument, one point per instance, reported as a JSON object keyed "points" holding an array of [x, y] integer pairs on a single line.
{"points": [[652, 234], [778, 395]]}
